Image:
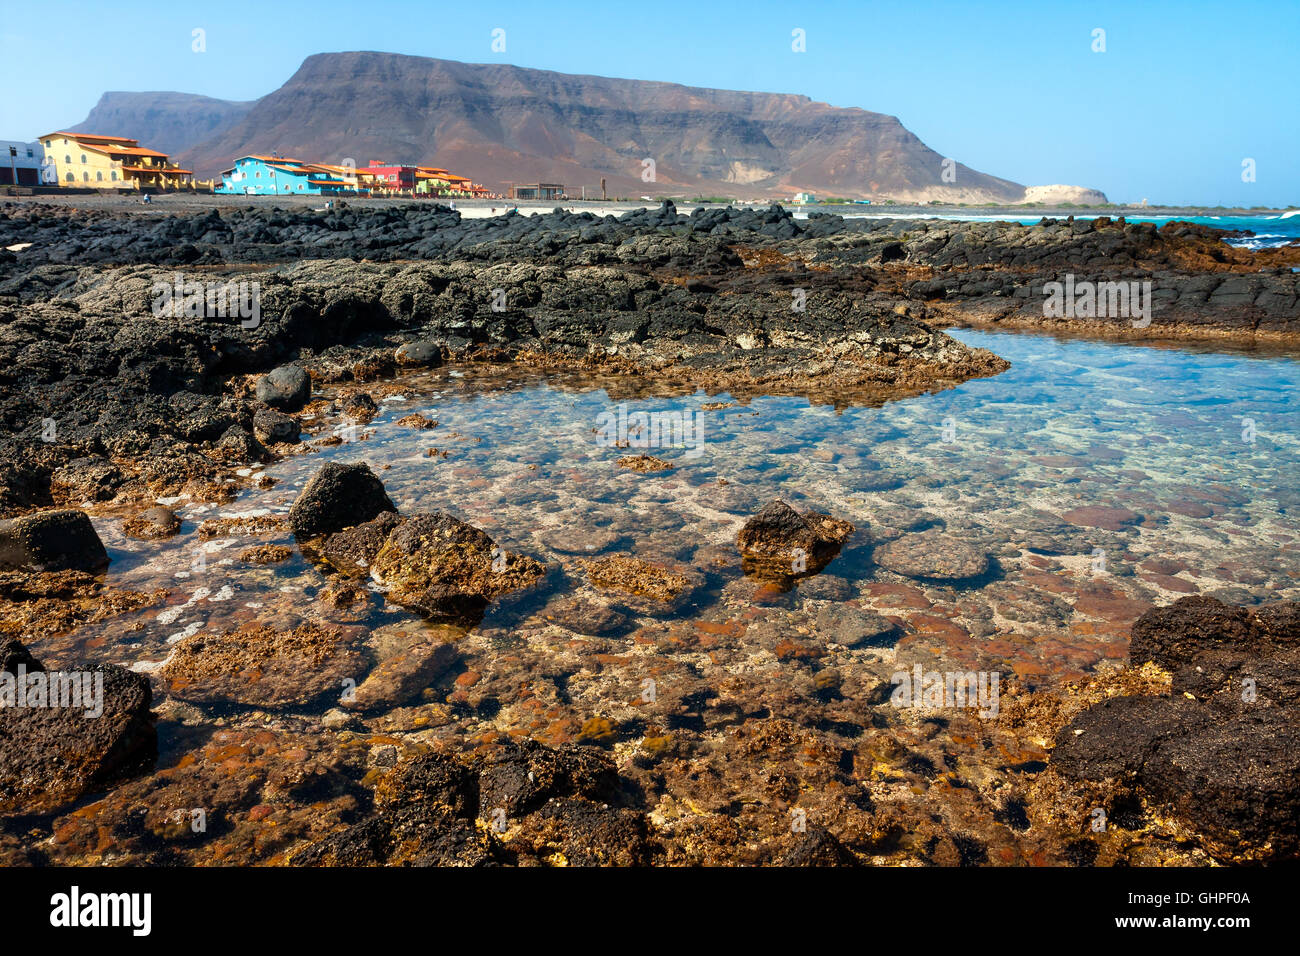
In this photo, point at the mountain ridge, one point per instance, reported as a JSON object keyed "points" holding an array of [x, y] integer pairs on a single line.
{"points": [[499, 123]]}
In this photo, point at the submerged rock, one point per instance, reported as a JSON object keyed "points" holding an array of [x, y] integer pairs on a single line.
{"points": [[446, 569], [932, 555], [262, 666], [644, 585], [337, 497], [51, 541]]}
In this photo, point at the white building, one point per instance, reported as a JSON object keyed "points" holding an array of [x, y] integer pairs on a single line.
{"points": [[27, 160]]}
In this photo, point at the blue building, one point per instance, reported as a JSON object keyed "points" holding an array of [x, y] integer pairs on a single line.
{"points": [[277, 176]]}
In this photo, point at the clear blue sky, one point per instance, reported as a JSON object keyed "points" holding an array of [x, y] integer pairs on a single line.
{"points": [[1184, 92]]}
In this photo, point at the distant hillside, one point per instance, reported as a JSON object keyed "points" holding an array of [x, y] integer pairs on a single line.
{"points": [[497, 123], [168, 122]]}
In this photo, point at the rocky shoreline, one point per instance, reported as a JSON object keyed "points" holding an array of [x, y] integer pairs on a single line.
{"points": [[110, 407]]}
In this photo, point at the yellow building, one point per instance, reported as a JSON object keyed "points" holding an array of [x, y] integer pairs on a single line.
{"points": [[109, 162]]}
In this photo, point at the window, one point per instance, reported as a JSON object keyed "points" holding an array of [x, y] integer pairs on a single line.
{"points": [[99, 176], [114, 175], [83, 158], [71, 178], [85, 177], [67, 160], [29, 154]]}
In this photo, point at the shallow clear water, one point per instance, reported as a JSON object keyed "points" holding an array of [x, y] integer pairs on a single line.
{"points": [[1200, 447]]}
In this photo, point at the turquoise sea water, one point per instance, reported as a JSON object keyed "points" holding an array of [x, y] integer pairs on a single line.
{"points": [[1270, 230]]}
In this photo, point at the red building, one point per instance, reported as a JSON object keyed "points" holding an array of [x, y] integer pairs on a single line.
{"points": [[389, 176]]}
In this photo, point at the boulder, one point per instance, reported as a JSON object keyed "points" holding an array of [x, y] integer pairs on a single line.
{"points": [[337, 497], [425, 354], [51, 541], [287, 388], [152, 523], [55, 752], [782, 541]]}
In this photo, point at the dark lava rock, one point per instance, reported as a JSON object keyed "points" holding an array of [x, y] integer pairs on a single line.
{"points": [[51, 541], [359, 407], [527, 774], [50, 756], [152, 523], [780, 540], [14, 652], [337, 497], [86, 479], [1213, 649], [933, 556], [582, 832], [551, 805], [426, 354], [287, 388], [271, 427], [353, 550], [817, 846], [1223, 751]]}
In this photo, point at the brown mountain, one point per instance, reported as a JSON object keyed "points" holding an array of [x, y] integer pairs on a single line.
{"points": [[168, 122], [499, 123]]}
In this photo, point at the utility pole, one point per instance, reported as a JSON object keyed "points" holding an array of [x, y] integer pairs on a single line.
{"points": [[13, 167], [602, 188]]}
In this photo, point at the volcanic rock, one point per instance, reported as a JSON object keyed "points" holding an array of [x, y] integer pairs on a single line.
{"points": [[51, 756], [287, 388], [337, 497], [51, 541], [446, 569]]}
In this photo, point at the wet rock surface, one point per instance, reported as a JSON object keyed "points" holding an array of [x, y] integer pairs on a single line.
{"points": [[51, 541], [263, 666], [446, 569], [1222, 751], [931, 555], [72, 739]]}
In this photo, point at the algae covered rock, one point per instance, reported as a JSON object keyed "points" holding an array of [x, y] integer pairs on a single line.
{"points": [[446, 569]]}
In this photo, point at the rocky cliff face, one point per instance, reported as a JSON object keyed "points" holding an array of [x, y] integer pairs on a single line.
{"points": [[499, 123], [168, 122]]}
